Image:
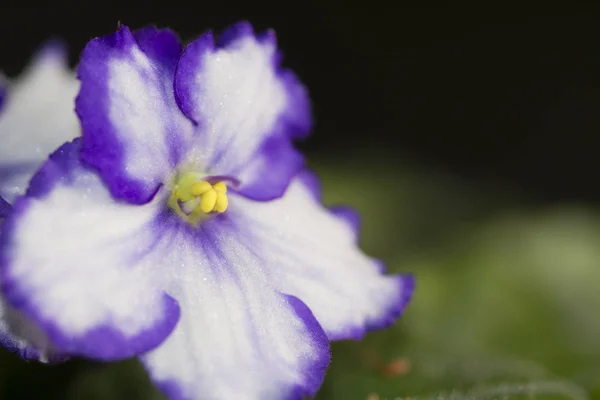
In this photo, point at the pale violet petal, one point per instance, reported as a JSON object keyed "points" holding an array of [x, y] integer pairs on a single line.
{"points": [[83, 266], [37, 116]]}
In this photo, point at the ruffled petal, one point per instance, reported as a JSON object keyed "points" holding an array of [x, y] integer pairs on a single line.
{"points": [[237, 337], [82, 267], [267, 175], [247, 107], [133, 131], [37, 116], [312, 254], [12, 322]]}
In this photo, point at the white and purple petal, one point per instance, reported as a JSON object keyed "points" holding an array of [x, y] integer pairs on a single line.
{"points": [[237, 337], [312, 253], [36, 117], [248, 109], [134, 134], [80, 265]]}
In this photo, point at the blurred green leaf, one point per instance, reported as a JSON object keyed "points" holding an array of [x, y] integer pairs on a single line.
{"points": [[31, 380], [404, 211], [513, 313], [118, 381]]}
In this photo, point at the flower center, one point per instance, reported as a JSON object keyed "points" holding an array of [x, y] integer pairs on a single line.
{"points": [[193, 199]]}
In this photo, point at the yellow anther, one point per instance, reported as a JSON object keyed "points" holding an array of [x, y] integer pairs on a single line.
{"points": [[222, 202], [199, 188], [208, 201], [193, 199], [220, 187]]}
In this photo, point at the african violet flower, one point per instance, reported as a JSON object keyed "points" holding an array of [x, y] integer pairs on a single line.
{"points": [[182, 227], [36, 116]]}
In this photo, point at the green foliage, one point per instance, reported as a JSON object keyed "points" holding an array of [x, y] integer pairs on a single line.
{"points": [[505, 308]]}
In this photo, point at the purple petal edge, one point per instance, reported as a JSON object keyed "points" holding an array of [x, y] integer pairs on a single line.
{"points": [[169, 388], [104, 342], [294, 123], [56, 169], [107, 343], [282, 161], [233, 32], [406, 288], [315, 371], [101, 146], [4, 208], [186, 71], [405, 283], [298, 117], [162, 45]]}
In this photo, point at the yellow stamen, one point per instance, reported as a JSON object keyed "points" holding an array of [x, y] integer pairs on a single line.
{"points": [[208, 201], [212, 198], [199, 188], [222, 202], [220, 187]]}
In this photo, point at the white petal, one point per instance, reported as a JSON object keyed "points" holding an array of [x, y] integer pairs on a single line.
{"points": [[133, 132], [82, 266], [248, 109], [37, 117], [312, 254], [237, 338]]}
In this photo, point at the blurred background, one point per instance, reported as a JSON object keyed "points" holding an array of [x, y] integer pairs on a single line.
{"points": [[477, 135]]}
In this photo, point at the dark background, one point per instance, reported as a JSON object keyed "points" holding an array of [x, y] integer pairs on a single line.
{"points": [[508, 98]]}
